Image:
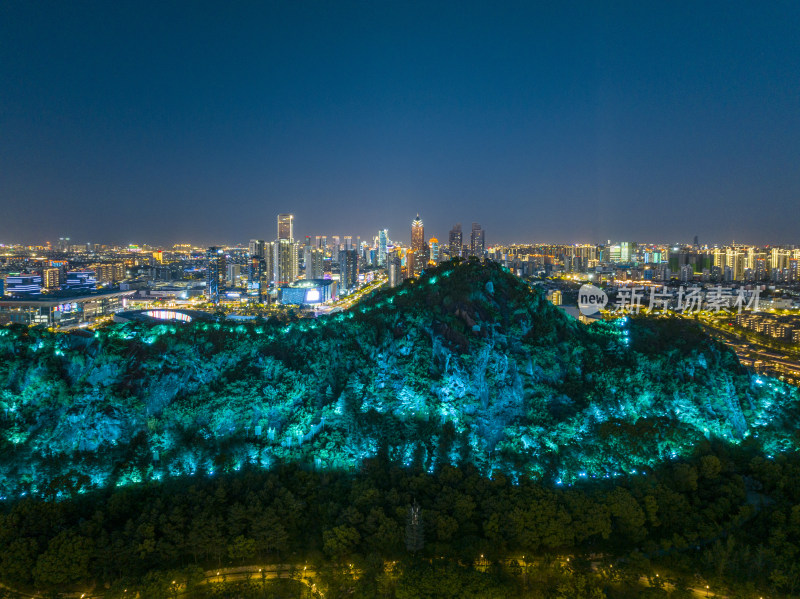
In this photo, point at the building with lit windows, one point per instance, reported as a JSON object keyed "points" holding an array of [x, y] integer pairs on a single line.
{"points": [[21, 285], [434, 250], [309, 292], [477, 241], [315, 264], [51, 278], [286, 254], [455, 241], [383, 241], [348, 263], [63, 309], [417, 234], [415, 259], [395, 270], [286, 226], [215, 272]]}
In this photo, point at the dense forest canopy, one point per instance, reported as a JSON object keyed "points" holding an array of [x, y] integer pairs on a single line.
{"points": [[468, 364]]}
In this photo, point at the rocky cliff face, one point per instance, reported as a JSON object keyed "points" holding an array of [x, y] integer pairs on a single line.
{"points": [[467, 363]]}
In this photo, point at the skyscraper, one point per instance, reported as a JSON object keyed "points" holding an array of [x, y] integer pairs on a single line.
{"points": [[434, 244], [383, 241], [315, 267], [257, 248], [455, 241], [215, 272], [415, 263], [285, 263], [348, 263], [395, 270], [476, 244], [286, 227], [417, 234]]}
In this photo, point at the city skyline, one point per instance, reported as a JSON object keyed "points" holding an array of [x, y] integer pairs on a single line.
{"points": [[658, 122]]}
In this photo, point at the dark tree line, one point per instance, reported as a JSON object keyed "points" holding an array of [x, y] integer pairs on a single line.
{"points": [[728, 516]]}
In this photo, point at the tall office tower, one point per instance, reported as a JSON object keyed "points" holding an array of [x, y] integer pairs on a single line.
{"points": [[257, 248], [625, 251], [411, 257], [434, 244], [476, 240], [417, 234], [395, 270], [383, 241], [215, 272], [315, 267], [348, 263], [414, 259], [256, 275], [455, 241], [348, 242], [285, 261], [306, 253], [286, 227], [234, 273]]}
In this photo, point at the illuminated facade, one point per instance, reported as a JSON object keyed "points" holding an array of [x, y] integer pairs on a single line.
{"points": [[455, 241], [383, 240], [286, 255], [434, 250], [477, 241], [415, 258], [308, 292], [315, 265], [348, 263], [215, 272], [23, 285], [417, 234], [286, 227], [395, 270], [62, 311]]}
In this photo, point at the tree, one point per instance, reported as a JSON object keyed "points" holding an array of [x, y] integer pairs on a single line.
{"points": [[65, 562], [415, 533]]}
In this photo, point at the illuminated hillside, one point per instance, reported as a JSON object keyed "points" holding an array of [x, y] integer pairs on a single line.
{"points": [[466, 364]]}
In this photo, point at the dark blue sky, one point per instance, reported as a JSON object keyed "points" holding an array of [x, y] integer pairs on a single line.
{"points": [[179, 121]]}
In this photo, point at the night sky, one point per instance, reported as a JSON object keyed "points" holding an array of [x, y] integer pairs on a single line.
{"points": [[544, 121]]}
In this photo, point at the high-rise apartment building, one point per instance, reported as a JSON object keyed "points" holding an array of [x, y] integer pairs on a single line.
{"points": [[455, 241], [257, 248], [395, 270], [315, 266], [477, 244], [348, 264], [285, 261], [411, 257], [51, 278]]}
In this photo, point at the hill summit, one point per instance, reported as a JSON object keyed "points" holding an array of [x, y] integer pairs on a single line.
{"points": [[465, 364]]}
